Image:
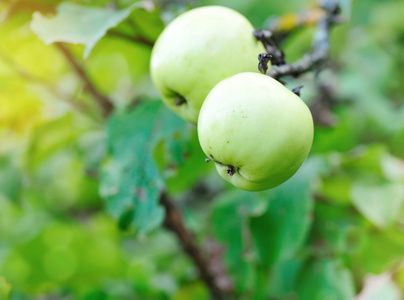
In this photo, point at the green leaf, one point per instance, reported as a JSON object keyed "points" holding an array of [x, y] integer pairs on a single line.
{"points": [[186, 174], [55, 135], [379, 287], [337, 230], [337, 188], [78, 24], [282, 230], [131, 181], [195, 291], [229, 220], [327, 279], [379, 251], [283, 278], [379, 202], [5, 289], [393, 168], [10, 178], [346, 8], [148, 23]]}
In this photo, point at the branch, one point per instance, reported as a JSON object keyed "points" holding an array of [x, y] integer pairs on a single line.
{"points": [[321, 45], [48, 85], [104, 102], [137, 39], [173, 222]]}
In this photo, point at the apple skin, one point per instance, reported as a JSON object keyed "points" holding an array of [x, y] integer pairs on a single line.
{"points": [[253, 126], [197, 50]]}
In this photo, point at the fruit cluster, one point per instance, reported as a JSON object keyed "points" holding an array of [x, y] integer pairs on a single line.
{"points": [[204, 65]]}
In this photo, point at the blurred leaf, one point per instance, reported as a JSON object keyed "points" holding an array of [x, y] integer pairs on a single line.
{"points": [[131, 180], [337, 230], [283, 278], [67, 255], [229, 221], [5, 289], [10, 177], [50, 137], [346, 8], [195, 291], [299, 42], [379, 287], [365, 160], [393, 168], [379, 251], [343, 136], [327, 279], [86, 25], [379, 202], [336, 188], [149, 23], [189, 169], [282, 230]]}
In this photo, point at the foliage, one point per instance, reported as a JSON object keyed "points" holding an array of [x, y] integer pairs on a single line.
{"points": [[79, 195]]}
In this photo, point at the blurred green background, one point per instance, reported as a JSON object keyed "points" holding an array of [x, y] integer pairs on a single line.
{"points": [[71, 225]]}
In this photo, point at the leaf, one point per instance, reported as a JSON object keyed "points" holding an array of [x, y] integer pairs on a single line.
{"points": [[50, 137], [379, 250], [327, 279], [10, 177], [282, 230], [379, 287], [131, 181], [393, 167], [185, 175], [283, 278], [336, 229], [5, 289], [79, 24], [380, 203], [346, 8], [337, 189], [195, 291], [229, 218], [148, 22]]}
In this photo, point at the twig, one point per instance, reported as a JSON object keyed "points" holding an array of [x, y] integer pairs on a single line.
{"points": [[104, 102], [265, 37], [321, 45], [173, 222], [48, 85], [137, 39]]}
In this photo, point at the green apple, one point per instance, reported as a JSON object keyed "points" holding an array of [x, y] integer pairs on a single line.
{"points": [[256, 131], [197, 50]]}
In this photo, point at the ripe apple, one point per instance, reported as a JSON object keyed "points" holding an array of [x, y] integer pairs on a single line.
{"points": [[256, 131], [197, 50]]}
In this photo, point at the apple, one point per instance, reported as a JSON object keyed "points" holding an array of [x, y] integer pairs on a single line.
{"points": [[197, 50], [256, 131]]}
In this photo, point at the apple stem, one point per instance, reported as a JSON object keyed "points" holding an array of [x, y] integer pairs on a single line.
{"points": [[263, 58], [297, 89], [276, 56]]}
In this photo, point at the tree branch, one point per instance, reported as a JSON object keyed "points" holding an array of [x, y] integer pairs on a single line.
{"points": [[173, 222], [48, 85], [137, 39], [310, 61], [104, 102]]}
